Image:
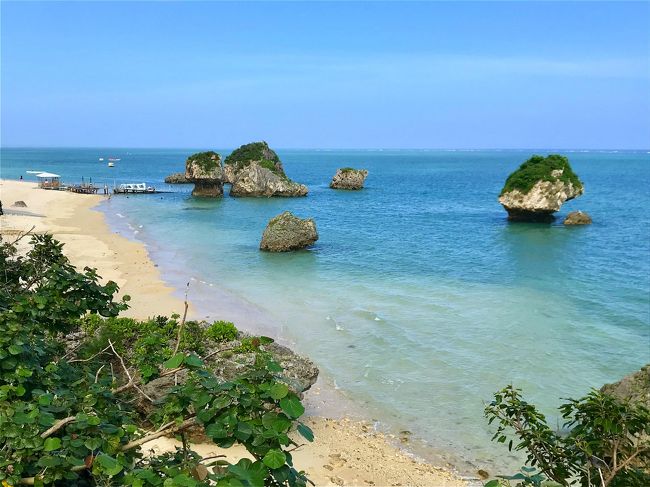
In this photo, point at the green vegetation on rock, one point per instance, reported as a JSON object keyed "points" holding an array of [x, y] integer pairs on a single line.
{"points": [[539, 168], [207, 161], [72, 388], [258, 152]]}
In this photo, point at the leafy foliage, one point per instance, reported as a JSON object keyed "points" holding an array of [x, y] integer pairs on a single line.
{"points": [[539, 168], [606, 441], [221, 331], [207, 161], [66, 411]]}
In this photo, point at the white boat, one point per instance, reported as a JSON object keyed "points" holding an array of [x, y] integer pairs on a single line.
{"points": [[111, 164], [134, 188], [101, 158]]}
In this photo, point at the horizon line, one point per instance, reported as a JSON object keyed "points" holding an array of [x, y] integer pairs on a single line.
{"points": [[449, 149]]}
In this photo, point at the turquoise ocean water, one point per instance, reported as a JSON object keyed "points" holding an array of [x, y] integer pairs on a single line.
{"points": [[419, 299]]}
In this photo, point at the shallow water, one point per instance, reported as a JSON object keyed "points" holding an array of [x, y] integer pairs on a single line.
{"points": [[419, 299]]}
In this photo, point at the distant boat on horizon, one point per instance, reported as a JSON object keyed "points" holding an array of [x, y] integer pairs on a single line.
{"points": [[111, 164], [101, 158]]}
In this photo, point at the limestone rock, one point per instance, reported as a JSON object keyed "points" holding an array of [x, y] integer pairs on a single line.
{"points": [[176, 178], [287, 232], [259, 152], [256, 170], [539, 188], [577, 218], [205, 171], [255, 180], [20, 204], [634, 387], [349, 178]]}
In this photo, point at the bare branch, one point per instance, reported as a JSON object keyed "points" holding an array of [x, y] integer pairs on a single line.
{"points": [[169, 430], [182, 325]]}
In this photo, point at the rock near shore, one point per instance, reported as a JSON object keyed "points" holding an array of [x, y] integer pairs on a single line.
{"points": [[255, 180], [634, 387], [287, 232], [258, 152], [349, 178], [205, 171], [577, 218], [539, 188]]}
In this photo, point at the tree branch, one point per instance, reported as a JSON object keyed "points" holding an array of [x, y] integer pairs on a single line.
{"points": [[57, 426]]}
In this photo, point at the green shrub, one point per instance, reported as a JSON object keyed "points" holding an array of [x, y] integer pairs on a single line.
{"points": [[539, 168], [67, 416], [221, 331], [259, 152], [605, 441]]}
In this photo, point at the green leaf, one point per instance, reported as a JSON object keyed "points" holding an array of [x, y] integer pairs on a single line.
{"points": [[109, 465], [192, 361], [274, 458], [175, 361], [251, 473], [291, 406], [185, 481], [306, 432], [278, 391], [52, 444], [15, 350]]}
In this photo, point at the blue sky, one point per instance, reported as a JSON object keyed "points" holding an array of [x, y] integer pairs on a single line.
{"points": [[339, 75]]}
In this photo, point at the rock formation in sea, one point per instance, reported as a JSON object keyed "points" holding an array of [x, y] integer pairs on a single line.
{"points": [[634, 387], [539, 188], [176, 178], [205, 171], [577, 218], [256, 170], [255, 180], [349, 178], [287, 232]]}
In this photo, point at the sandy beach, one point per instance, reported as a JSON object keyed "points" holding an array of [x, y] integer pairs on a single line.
{"points": [[344, 452]]}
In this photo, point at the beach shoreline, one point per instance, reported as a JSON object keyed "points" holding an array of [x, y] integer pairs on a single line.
{"points": [[345, 452]]}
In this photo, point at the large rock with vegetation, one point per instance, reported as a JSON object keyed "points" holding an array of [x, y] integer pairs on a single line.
{"points": [[287, 232], [177, 178], [255, 180], [256, 170], [634, 387], [205, 171], [259, 152], [539, 188], [349, 178]]}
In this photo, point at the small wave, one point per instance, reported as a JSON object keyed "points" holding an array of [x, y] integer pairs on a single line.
{"points": [[339, 327], [120, 215], [377, 318]]}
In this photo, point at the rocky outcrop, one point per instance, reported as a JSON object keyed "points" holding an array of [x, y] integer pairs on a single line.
{"points": [[205, 171], [298, 372], [177, 178], [539, 188], [577, 218], [255, 180], [19, 204], [634, 387], [259, 152], [349, 178], [256, 170], [287, 232]]}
